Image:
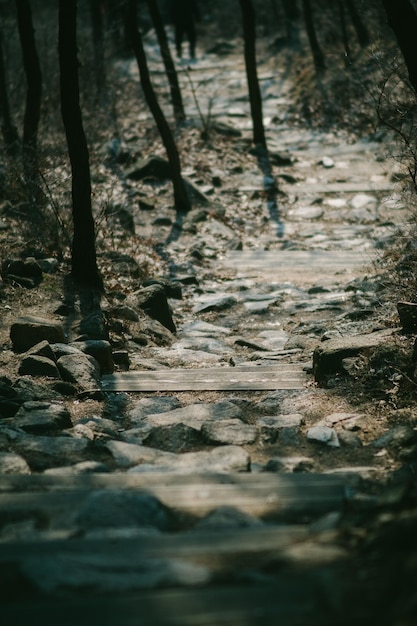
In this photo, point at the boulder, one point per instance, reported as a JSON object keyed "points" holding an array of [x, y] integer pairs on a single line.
{"points": [[328, 356], [101, 350], [153, 301], [34, 365], [28, 331], [82, 370], [39, 417]]}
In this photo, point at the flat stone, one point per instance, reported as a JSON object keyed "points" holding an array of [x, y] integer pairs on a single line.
{"points": [[149, 406], [290, 464], [112, 508], [398, 436], [328, 356], [128, 454], [175, 438], [204, 344], [361, 200], [36, 365], [42, 452], [323, 434], [195, 415], [11, 463], [203, 329], [271, 426], [28, 389], [306, 213], [28, 331], [39, 417], [222, 459], [230, 431], [214, 303], [84, 467]]}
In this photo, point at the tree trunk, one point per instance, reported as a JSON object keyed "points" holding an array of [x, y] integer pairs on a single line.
{"points": [[255, 98], [181, 199], [33, 99], [345, 36], [84, 263], [291, 18], [9, 130], [98, 45], [171, 72], [318, 56], [403, 20], [359, 26]]}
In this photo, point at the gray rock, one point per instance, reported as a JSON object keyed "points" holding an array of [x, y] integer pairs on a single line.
{"points": [[42, 452], [290, 464], [175, 438], [11, 463], [34, 365], [203, 329], [349, 439], [85, 467], [43, 348], [118, 508], [323, 434], [400, 435], [147, 406], [62, 349], [81, 369], [194, 415], [227, 517], [28, 331], [100, 425], [214, 303], [328, 356], [151, 167], [101, 350], [222, 459], [37, 417], [29, 389], [128, 454], [94, 326], [270, 427], [153, 301], [229, 431]]}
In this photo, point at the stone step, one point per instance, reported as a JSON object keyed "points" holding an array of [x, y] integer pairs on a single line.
{"points": [[262, 377]]}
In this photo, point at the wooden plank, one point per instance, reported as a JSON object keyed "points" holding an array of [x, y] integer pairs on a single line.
{"points": [[119, 480], [196, 545], [258, 497], [282, 376], [291, 601], [313, 260]]}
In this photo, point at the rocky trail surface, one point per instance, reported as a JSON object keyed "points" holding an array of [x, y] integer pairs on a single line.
{"points": [[209, 470]]}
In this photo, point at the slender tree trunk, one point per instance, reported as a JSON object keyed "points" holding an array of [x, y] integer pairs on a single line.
{"points": [[359, 26], [255, 98], [403, 20], [292, 15], [9, 130], [84, 264], [98, 45], [345, 36], [181, 199], [33, 99], [318, 56], [171, 72]]}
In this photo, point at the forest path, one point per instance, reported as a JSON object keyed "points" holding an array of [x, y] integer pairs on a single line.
{"points": [[246, 506]]}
